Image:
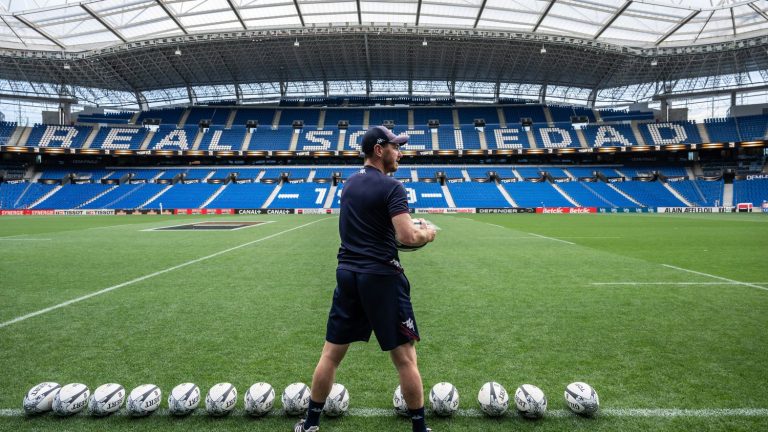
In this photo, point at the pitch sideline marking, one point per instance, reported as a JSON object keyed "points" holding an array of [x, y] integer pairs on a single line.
{"points": [[716, 277], [552, 238], [151, 275], [675, 283], [476, 413]]}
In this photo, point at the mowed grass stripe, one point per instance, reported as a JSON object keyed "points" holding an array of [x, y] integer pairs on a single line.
{"points": [[149, 276], [716, 277]]}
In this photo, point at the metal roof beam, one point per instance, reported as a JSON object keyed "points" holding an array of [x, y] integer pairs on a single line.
{"points": [[418, 13], [298, 11], [359, 13], [479, 13], [50, 99], [104, 23], [758, 10], [237, 14], [171, 16], [618, 13], [40, 31], [677, 27], [543, 15], [13, 31]]}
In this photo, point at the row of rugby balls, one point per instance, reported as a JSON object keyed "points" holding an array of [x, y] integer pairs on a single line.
{"points": [[183, 400], [530, 401]]}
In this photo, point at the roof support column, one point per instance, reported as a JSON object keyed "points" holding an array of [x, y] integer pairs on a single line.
{"points": [[452, 87], [368, 87], [592, 98], [733, 101], [191, 95], [141, 101], [326, 88], [410, 87], [283, 89], [543, 94], [497, 92], [238, 94]]}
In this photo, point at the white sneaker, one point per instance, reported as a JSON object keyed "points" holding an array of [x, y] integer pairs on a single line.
{"points": [[299, 427]]}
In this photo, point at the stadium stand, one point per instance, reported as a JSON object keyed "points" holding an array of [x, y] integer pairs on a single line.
{"points": [[318, 140], [584, 195], [468, 115], [167, 116], [700, 193], [135, 197], [513, 114], [722, 129], [531, 194], [753, 127], [466, 138], [529, 172], [169, 137], [197, 174], [217, 116], [420, 138], [293, 173], [561, 113], [264, 116], [430, 172], [670, 133], [559, 136], [14, 196], [58, 136], [587, 112], [6, 130], [422, 116], [618, 115], [242, 195], [512, 137], [217, 138], [750, 191], [398, 115], [615, 135], [122, 117], [425, 195], [183, 195], [649, 194], [309, 116], [171, 173], [114, 195], [119, 138], [604, 191], [266, 138], [482, 173], [353, 116], [300, 195], [71, 196], [327, 173], [473, 194]]}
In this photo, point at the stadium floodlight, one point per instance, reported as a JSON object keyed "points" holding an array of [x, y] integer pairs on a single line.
{"points": [[296, 42], [66, 66], [654, 62], [424, 42], [177, 52], [543, 50]]}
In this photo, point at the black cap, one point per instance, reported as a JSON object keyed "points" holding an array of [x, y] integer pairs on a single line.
{"points": [[381, 135]]}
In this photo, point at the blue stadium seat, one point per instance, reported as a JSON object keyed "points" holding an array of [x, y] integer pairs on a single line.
{"points": [[620, 115], [474, 194], [650, 194], [722, 129], [561, 113], [71, 196], [425, 195], [468, 115], [309, 116], [536, 194], [582, 194], [16, 196], [419, 138], [422, 116], [111, 118], [58, 136], [136, 196], [529, 172], [197, 173], [670, 133], [218, 116], [264, 116], [167, 116], [266, 138], [6, 130], [318, 140], [219, 139], [513, 114], [398, 115], [127, 138], [750, 191], [429, 172], [293, 173], [353, 115], [699, 192], [243, 195], [512, 137], [605, 192], [185, 196], [753, 127], [466, 138], [301, 195], [169, 137], [561, 135], [107, 200], [615, 135]]}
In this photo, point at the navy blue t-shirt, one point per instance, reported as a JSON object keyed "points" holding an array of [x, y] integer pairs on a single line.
{"points": [[369, 201]]}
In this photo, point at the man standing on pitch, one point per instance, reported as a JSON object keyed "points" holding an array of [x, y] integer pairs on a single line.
{"points": [[372, 293]]}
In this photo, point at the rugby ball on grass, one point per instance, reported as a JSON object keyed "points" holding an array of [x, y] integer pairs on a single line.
{"points": [[337, 403], [259, 399], [296, 399], [221, 399], [530, 401], [106, 399], [444, 399], [401, 408], [184, 399], [581, 398], [143, 400], [71, 399], [39, 399], [493, 399]]}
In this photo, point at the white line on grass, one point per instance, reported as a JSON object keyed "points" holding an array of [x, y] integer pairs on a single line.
{"points": [[552, 238], [23, 239], [151, 275], [476, 413], [675, 283], [716, 277]]}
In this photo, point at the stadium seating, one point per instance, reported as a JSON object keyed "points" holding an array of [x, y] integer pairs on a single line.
{"points": [[425, 195], [422, 116], [6, 130], [753, 127], [512, 137], [420, 138], [620, 115], [219, 139], [266, 138], [108, 200], [398, 115], [699, 192], [670, 133], [722, 129], [650, 194], [168, 116], [604, 191], [293, 173], [482, 173], [171, 173], [353, 115], [318, 140], [466, 138], [615, 135], [513, 114], [169, 137], [183, 195], [586, 112], [264, 116], [468, 115], [58, 136], [430, 172], [473, 194], [73, 195], [327, 173], [529, 172], [112, 118], [750, 191], [301, 195], [218, 116], [197, 174], [531, 194], [309, 116], [242, 195], [137, 195], [561, 113], [561, 135], [582, 172], [584, 195], [119, 138], [14, 196]]}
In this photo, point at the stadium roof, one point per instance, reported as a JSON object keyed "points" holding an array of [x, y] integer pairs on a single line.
{"points": [[134, 45]]}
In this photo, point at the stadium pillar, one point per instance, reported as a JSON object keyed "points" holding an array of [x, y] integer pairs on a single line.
{"points": [[733, 100], [238, 94], [543, 94], [497, 91], [592, 98], [191, 95], [141, 101]]}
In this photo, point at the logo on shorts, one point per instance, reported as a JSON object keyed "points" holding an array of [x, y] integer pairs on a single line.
{"points": [[409, 324]]}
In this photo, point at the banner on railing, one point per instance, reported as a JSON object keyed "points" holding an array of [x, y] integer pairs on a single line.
{"points": [[566, 210], [694, 209]]}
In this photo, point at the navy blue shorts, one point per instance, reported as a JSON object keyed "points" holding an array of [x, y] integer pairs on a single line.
{"points": [[365, 302]]}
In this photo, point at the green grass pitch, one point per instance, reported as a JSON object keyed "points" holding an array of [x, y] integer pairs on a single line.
{"points": [[611, 300]]}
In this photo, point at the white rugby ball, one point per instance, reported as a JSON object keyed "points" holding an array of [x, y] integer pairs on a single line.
{"points": [[221, 399], [71, 399], [337, 403], [184, 399], [143, 400], [39, 399], [530, 401], [296, 399], [106, 399], [493, 399], [581, 398], [259, 399], [444, 399], [406, 248], [401, 408]]}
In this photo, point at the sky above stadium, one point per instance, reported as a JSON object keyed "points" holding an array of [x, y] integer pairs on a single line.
{"points": [[86, 25]]}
